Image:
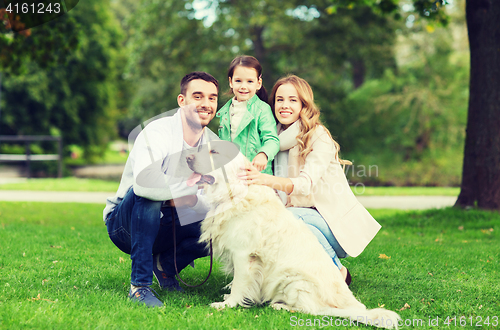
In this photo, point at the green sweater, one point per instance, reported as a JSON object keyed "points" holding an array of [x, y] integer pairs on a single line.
{"points": [[256, 132]]}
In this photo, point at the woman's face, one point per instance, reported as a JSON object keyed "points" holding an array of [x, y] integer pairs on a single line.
{"points": [[287, 105]]}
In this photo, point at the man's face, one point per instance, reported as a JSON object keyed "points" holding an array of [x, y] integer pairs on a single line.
{"points": [[199, 103]]}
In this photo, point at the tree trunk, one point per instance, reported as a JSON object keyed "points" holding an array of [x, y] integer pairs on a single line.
{"points": [[481, 168], [261, 54], [358, 72]]}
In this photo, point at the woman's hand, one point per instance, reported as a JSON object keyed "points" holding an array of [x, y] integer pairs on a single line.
{"points": [[251, 175]]}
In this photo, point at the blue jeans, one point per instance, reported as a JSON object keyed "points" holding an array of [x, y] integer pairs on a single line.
{"points": [[136, 227], [321, 230]]}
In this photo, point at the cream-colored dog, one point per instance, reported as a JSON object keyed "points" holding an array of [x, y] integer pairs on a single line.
{"points": [[273, 256]]}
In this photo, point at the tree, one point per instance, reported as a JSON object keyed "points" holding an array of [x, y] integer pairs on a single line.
{"points": [[411, 121], [171, 38], [360, 40], [48, 44], [76, 100], [284, 34], [481, 166], [481, 169]]}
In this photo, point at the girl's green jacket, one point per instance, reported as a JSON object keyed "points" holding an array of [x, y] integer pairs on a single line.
{"points": [[256, 132]]}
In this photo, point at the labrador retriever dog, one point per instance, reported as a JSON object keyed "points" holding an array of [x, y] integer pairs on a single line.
{"points": [[273, 256]]}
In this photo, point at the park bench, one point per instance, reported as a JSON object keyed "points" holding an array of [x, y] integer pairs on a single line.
{"points": [[28, 157]]}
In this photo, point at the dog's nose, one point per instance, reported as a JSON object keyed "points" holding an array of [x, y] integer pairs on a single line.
{"points": [[190, 158]]}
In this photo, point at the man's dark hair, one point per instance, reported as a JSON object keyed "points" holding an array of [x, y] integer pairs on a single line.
{"points": [[197, 75]]}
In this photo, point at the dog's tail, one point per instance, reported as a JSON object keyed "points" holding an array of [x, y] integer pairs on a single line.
{"points": [[379, 317]]}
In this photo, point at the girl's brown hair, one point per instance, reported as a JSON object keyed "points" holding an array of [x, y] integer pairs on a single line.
{"points": [[309, 115], [249, 62]]}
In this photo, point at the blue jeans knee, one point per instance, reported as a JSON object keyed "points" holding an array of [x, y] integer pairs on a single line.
{"points": [[133, 227], [317, 224]]}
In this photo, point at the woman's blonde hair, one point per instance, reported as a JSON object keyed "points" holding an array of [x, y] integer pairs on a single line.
{"points": [[309, 115]]}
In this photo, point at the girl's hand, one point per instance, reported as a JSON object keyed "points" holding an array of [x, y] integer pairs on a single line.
{"points": [[260, 161], [251, 175]]}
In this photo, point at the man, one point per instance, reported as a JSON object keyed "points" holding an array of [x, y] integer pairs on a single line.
{"points": [[139, 217]]}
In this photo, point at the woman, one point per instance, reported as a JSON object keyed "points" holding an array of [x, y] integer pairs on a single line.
{"points": [[309, 177]]}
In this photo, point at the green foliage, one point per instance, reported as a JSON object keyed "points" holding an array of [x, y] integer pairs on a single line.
{"points": [[344, 48], [381, 114], [164, 46], [421, 106], [411, 122], [169, 39], [77, 99], [35, 148], [430, 9], [48, 45]]}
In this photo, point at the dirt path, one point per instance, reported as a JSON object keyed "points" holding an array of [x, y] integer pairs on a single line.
{"points": [[371, 202]]}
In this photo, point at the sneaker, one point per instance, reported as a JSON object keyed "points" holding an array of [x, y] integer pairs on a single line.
{"points": [[166, 282], [145, 295]]}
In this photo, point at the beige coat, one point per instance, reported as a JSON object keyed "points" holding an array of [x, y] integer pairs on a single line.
{"points": [[320, 182]]}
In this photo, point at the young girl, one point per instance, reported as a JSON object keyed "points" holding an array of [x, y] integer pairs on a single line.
{"points": [[309, 173], [247, 119]]}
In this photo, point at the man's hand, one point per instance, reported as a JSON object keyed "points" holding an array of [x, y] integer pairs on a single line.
{"points": [[186, 201], [260, 161]]}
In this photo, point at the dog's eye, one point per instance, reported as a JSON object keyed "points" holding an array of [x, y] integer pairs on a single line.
{"points": [[213, 151]]}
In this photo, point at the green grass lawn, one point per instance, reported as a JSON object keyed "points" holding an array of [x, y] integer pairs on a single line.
{"points": [[63, 184], [405, 191], [59, 270], [76, 184]]}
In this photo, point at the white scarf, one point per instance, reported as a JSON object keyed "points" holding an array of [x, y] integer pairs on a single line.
{"points": [[288, 140], [237, 111]]}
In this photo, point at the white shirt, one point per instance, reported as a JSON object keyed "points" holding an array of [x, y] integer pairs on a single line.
{"points": [[236, 112], [154, 167]]}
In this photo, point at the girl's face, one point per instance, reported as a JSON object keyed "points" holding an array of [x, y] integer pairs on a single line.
{"points": [[287, 105], [244, 83]]}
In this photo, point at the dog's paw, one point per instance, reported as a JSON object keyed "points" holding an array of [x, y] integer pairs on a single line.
{"points": [[226, 303], [219, 305], [280, 306], [384, 318]]}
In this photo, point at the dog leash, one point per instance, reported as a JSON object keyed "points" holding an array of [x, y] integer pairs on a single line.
{"points": [[175, 256], [175, 245], [211, 250]]}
